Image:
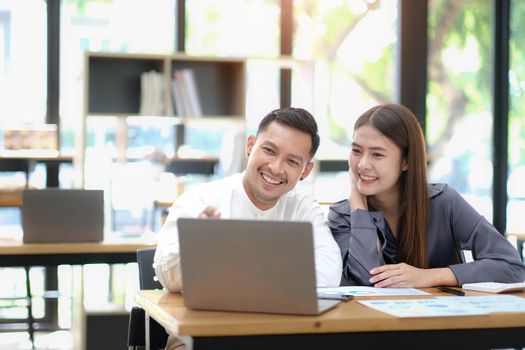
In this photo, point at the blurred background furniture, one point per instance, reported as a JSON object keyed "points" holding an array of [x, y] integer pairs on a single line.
{"points": [[137, 326], [181, 168], [11, 193]]}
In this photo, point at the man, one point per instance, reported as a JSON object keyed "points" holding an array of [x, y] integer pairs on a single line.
{"points": [[279, 156]]}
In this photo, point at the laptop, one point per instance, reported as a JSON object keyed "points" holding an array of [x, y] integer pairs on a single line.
{"points": [[249, 265], [62, 215]]}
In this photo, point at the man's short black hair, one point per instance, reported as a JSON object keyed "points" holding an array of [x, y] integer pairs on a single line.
{"points": [[296, 118]]}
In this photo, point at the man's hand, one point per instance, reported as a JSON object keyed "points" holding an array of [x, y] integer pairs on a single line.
{"points": [[210, 213], [403, 275]]}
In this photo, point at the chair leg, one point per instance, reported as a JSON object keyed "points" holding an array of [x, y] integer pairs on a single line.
{"points": [[30, 319]]}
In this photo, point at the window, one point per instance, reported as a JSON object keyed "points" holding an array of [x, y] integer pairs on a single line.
{"points": [[110, 26], [353, 44], [516, 150], [23, 61], [233, 28], [459, 97]]}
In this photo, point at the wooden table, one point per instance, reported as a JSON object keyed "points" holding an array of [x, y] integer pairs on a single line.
{"points": [[113, 250], [350, 325]]}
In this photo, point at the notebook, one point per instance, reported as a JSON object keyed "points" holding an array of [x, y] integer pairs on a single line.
{"points": [[62, 215], [249, 265], [494, 287]]}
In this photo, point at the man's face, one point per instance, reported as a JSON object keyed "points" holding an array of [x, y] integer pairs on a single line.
{"points": [[278, 158]]}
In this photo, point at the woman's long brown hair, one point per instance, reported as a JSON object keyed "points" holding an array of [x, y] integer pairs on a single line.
{"points": [[400, 125]]}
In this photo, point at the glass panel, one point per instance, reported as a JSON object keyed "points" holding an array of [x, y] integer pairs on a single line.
{"points": [[240, 28], [262, 76], [151, 138], [23, 47], [459, 98], [353, 44], [263, 84], [139, 26], [110, 25], [222, 139], [233, 28], [516, 151]]}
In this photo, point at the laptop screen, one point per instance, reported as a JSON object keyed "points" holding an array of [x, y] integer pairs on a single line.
{"points": [[63, 215], [248, 265]]}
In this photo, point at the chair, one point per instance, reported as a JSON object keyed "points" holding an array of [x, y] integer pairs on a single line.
{"points": [[137, 325], [12, 196]]}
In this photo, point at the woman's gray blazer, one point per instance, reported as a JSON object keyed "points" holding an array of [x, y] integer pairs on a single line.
{"points": [[453, 226]]}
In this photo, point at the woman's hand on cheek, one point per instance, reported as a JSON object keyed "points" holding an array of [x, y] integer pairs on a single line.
{"points": [[357, 200]]}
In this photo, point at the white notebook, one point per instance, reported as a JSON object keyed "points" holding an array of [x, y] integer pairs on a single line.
{"points": [[494, 287]]}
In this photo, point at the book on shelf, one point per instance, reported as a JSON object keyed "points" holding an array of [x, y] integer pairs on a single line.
{"points": [[193, 95], [152, 94], [180, 108], [185, 93]]}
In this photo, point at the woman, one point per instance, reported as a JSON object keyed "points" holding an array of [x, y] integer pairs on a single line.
{"points": [[395, 230]]}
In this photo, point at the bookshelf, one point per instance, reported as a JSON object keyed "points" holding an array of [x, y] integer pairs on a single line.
{"points": [[112, 82], [112, 88]]}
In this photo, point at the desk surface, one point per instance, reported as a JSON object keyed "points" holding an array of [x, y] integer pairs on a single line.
{"points": [[121, 245], [36, 156], [13, 252], [169, 311]]}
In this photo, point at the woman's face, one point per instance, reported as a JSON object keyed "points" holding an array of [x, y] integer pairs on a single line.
{"points": [[375, 162]]}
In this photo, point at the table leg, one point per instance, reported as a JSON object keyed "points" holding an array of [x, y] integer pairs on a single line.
{"points": [[52, 170]]}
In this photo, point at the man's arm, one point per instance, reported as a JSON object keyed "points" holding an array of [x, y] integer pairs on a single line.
{"points": [[328, 263], [167, 255]]}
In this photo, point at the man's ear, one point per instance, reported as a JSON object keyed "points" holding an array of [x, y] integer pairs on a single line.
{"points": [[307, 170], [249, 144]]}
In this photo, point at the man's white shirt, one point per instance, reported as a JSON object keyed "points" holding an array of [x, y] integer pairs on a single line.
{"points": [[229, 197]]}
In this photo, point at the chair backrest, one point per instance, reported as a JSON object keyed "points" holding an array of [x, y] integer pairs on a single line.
{"points": [[137, 321], [147, 278]]}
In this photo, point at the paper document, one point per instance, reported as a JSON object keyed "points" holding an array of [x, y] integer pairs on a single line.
{"points": [[491, 303], [494, 287], [363, 291], [448, 306]]}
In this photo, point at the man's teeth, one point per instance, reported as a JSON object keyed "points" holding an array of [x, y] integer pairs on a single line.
{"points": [[271, 180]]}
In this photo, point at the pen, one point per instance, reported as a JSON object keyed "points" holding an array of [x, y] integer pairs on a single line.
{"points": [[451, 291]]}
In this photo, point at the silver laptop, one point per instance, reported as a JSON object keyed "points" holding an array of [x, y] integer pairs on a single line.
{"points": [[249, 265], [63, 215]]}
